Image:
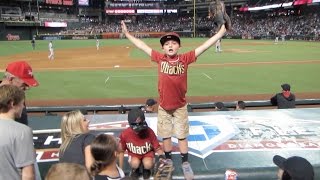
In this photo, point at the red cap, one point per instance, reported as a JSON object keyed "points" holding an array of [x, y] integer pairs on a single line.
{"points": [[23, 71], [170, 36]]}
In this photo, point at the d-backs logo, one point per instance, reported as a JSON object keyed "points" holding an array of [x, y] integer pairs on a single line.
{"points": [[176, 69], [206, 133]]}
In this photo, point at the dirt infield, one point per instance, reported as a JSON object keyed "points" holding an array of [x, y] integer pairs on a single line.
{"points": [[108, 57]]}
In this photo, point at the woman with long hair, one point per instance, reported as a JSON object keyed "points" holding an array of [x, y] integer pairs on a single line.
{"points": [[104, 150], [76, 139]]}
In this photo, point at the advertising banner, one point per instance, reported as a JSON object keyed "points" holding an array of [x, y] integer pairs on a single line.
{"points": [[223, 132], [55, 24], [120, 11]]}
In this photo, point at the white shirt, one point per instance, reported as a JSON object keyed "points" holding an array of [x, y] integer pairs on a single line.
{"points": [[50, 46]]}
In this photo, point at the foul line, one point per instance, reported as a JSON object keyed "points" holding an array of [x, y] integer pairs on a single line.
{"points": [[107, 80], [207, 76]]}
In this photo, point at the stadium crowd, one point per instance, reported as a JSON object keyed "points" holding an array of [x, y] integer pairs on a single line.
{"points": [[243, 26]]}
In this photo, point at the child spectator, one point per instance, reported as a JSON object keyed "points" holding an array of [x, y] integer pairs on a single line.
{"points": [[149, 107], [219, 106], [293, 168], [172, 88], [240, 106], [67, 171], [141, 143], [104, 150]]}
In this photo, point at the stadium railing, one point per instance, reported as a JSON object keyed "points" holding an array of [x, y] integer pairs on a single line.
{"points": [[192, 106]]}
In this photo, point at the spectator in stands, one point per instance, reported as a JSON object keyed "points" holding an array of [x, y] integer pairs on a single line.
{"points": [[139, 136], [284, 100], [122, 110], [76, 139], [16, 143], [219, 106], [19, 74], [104, 150], [295, 168], [150, 106], [172, 88], [240, 106], [67, 171]]}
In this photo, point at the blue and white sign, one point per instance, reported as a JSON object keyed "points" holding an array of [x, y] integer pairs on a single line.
{"points": [[206, 133]]}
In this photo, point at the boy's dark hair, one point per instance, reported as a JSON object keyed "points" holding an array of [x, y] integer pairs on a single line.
{"points": [[285, 87], [122, 110], [219, 105], [151, 102], [134, 114], [241, 104], [103, 148]]}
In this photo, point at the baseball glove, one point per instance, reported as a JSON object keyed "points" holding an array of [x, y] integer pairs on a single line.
{"points": [[217, 12], [163, 170]]}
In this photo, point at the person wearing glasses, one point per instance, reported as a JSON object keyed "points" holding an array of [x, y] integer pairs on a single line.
{"points": [[19, 74], [141, 143], [76, 139]]}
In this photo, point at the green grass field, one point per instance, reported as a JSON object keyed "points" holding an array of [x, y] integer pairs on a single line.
{"points": [[244, 67]]}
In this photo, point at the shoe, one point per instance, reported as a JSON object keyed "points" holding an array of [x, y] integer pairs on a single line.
{"points": [[146, 173], [187, 171], [134, 174]]}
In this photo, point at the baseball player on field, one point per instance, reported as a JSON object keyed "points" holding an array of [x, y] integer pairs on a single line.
{"points": [[97, 44], [33, 43], [51, 52], [218, 46]]}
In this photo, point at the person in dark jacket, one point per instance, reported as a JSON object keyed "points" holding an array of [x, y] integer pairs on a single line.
{"points": [[284, 100]]}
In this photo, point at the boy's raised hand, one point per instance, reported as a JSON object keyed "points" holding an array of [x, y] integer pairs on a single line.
{"points": [[124, 27]]}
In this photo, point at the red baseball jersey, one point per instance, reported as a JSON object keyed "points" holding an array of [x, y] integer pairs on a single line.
{"points": [[136, 146], [172, 78]]}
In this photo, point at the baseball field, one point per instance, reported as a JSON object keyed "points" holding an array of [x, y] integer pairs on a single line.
{"points": [[119, 73]]}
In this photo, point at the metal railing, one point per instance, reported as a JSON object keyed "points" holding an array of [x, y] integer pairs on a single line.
{"points": [[191, 106]]}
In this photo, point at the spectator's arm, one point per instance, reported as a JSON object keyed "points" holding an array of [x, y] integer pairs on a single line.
{"points": [[88, 157], [28, 172], [121, 158], [137, 42], [202, 48]]}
